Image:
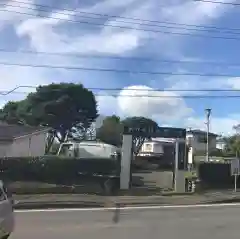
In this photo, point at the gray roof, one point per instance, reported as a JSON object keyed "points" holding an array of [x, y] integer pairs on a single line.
{"points": [[10, 132], [197, 131]]}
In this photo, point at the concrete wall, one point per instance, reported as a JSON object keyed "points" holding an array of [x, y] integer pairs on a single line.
{"points": [[32, 145], [5, 147]]}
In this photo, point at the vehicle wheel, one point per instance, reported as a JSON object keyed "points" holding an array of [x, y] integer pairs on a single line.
{"points": [[6, 237]]}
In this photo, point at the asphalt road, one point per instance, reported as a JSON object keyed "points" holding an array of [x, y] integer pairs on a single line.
{"points": [[167, 223]]}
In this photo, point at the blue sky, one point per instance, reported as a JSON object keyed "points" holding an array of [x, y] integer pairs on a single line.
{"points": [[27, 32]]}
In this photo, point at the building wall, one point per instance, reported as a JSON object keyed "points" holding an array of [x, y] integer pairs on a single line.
{"points": [[33, 145], [221, 145], [166, 151], [199, 143], [4, 148], [152, 147]]}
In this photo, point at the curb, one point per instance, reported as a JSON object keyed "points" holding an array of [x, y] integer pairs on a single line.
{"points": [[229, 200], [55, 205], [71, 205]]}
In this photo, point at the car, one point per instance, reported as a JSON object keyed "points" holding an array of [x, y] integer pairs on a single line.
{"points": [[6, 212]]}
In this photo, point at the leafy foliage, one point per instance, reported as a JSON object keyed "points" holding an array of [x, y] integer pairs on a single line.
{"points": [[9, 113], [232, 145], [52, 170], [111, 131], [216, 175], [56, 169], [65, 107], [139, 122]]}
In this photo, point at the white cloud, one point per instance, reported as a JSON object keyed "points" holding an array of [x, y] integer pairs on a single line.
{"points": [[117, 43], [192, 12], [8, 17], [234, 83], [187, 83], [108, 6], [171, 112], [20, 77], [42, 32], [194, 85], [142, 100], [44, 37], [108, 104], [52, 35]]}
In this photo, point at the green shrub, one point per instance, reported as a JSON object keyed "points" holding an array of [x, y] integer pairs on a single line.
{"points": [[57, 169], [216, 175]]}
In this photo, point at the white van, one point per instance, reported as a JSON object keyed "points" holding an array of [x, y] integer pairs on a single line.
{"points": [[6, 212], [88, 149]]}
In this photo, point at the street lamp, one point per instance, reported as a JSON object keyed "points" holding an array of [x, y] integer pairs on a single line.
{"points": [[208, 113]]}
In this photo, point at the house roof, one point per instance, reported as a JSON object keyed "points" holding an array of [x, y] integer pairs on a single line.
{"points": [[10, 132], [201, 132]]}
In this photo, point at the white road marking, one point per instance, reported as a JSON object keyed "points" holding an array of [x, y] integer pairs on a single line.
{"points": [[130, 208]]}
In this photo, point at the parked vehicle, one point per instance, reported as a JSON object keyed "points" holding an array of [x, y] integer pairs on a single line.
{"points": [[94, 150], [89, 149], [6, 212]]}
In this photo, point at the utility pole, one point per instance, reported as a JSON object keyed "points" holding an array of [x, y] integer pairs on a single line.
{"points": [[208, 113]]}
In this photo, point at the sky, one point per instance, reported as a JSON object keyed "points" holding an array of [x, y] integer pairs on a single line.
{"points": [[29, 26]]}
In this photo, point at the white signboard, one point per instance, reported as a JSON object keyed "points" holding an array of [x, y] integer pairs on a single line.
{"points": [[235, 167]]}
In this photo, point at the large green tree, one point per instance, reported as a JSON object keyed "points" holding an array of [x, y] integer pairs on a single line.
{"points": [[136, 123], [111, 131], [9, 113], [69, 109], [232, 145]]}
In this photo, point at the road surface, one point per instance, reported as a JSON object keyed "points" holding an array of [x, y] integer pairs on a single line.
{"points": [[168, 223]]}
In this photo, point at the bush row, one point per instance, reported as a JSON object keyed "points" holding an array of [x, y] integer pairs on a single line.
{"points": [[57, 169], [216, 175]]}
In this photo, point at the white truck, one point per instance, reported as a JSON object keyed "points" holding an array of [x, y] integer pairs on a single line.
{"points": [[89, 149]]}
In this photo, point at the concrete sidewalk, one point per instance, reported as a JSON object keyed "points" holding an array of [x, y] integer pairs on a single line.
{"points": [[76, 200]]}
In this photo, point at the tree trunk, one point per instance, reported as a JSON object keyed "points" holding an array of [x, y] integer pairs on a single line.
{"points": [[49, 143]]}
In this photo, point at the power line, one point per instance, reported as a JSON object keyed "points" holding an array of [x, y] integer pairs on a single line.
{"points": [[114, 70], [176, 96], [80, 55], [129, 89], [14, 90], [225, 31], [219, 2], [125, 27], [166, 90], [128, 18], [4, 93]]}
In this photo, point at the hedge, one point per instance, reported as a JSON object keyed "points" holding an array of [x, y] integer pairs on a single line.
{"points": [[216, 175], [57, 169]]}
